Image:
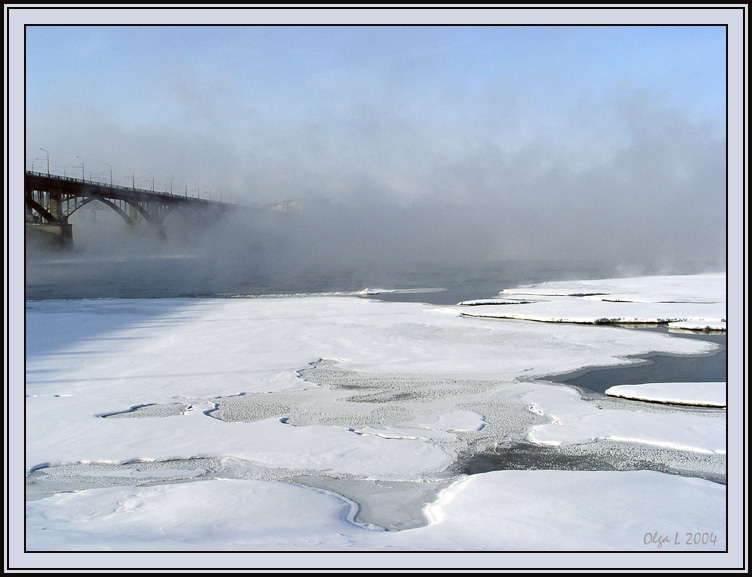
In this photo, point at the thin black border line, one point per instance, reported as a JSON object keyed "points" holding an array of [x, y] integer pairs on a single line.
{"points": [[745, 184], [444, 551], [6, 30], [376, 25], [545, 8], [380, 6], [726, 308]]}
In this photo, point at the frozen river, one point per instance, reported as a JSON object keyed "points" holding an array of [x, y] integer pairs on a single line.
{"points": [[343, 422]]}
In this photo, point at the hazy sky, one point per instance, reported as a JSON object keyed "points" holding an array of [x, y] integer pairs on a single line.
{"points": [[578, 140]]}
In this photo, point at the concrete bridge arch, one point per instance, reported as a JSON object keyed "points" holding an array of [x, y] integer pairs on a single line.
{"points": [[51, 200]]}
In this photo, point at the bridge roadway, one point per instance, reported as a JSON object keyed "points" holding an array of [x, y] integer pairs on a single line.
{"points": [[52, 199]]}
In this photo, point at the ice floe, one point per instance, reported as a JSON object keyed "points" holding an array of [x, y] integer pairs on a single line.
{"points": [[572, 421], [692, 303], [699, 288], [700, 394]]}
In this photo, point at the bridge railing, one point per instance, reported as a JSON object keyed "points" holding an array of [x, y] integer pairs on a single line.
{"points": [[120, 187]]}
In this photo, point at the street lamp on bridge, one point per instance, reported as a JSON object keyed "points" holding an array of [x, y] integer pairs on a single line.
{"points": [[83, 171], [108, 164], [133, 179], [48, 160]]}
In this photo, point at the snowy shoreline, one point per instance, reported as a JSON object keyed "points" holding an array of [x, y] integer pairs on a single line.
{"points": [[375, 398]]}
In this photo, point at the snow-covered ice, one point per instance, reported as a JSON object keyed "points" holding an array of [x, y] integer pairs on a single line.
{"points": [[572, 421], [700, 394], [699, 288], [251, 413], [499, 511], [695, 303]]}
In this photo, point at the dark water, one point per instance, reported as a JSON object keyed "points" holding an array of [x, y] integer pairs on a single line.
{"points": [[76, 274], [71, 275], [656, 368], [615, 456]]}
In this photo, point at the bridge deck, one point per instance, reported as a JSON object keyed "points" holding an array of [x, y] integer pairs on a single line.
{"points": [[51, 199], [78, 187]]}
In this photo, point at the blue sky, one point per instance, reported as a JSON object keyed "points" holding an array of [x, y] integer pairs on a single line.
{"points": [[147, 74], [602, 121]]}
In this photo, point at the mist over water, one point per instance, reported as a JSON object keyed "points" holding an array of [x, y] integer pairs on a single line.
{"points": [[407, 202], [407, 156], [318, 246]]}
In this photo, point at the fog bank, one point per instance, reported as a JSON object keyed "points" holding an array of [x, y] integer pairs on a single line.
{"points": [[648, 198]]}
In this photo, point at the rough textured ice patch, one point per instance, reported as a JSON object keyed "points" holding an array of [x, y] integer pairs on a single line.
{"points": [[149, 411], [160, 473], [692, 393], [435, 426], [46, 481], [601, 456], [459, 420], [268, 443]]}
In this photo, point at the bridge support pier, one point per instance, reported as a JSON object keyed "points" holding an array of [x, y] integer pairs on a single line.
{"points": [[53, 233], [56, 205]]}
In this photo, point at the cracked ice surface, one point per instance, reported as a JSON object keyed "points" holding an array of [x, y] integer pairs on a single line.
{"points": [[403, 389], [202, 350]]}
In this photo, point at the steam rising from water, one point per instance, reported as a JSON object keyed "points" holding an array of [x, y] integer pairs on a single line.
{"points": [[648, 198]]}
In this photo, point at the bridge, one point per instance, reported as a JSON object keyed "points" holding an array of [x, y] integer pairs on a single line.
{"points": [[52, 199]]}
